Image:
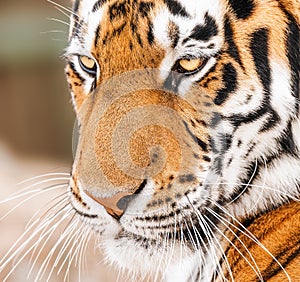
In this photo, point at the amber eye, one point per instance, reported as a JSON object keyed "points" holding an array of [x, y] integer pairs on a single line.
{"points": [[88, 65], [189, 66]]}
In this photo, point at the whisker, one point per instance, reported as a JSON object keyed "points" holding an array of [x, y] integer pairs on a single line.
{"points": [[80, 258], [61, 198], [221, 219], [23, 245], [284, 193], [53, 31], [59, 21], [41, 248], [74, 248], [214, 238], [42, 176], [66, 243], [54, 187], [248, 234], [8, 256], [208, 234], [67, 238], [46, 261], [62, 11], [28, 189], [257, 272], [246, 186], [62, 7], [261, 192]]}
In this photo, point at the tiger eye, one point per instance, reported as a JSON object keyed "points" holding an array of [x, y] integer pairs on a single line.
{"points": [[190, 64], [87, 62]]}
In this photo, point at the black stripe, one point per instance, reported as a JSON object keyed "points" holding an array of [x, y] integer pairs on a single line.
{"points": [[226, 141], [98, 5], [145, 8], [232, 49], [76, 6], [139, 39], [242, 8], [204, 32], [97, 35], [259, 46], [293, 54], [118, 10], [176, 8], [272, 120], [200, 143], [287, 141], [73, 68], [229, 79], [274, 268], [150, 35]]}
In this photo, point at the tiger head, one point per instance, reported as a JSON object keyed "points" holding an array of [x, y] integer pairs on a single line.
{"points": [[187, 111]]}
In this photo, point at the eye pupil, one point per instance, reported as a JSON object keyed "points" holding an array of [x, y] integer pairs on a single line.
{"points": [[88, 65]]}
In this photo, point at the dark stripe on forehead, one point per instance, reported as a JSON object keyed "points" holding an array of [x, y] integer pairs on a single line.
{"points": [[118, 10], [242, 8], [98, 5], [176, 8], [145, 8], [204, 32]]}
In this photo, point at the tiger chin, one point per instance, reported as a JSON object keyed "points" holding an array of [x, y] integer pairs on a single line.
{"points": [[187, 164]]}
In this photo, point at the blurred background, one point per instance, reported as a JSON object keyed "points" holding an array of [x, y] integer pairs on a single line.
{"points": [[36, 117], [35, 114]]}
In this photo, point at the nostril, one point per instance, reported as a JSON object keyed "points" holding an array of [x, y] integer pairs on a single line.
{"points": [[117, 204], [122, 204]]}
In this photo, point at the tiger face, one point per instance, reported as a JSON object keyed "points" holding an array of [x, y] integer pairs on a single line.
{"points": [[187, 112]]}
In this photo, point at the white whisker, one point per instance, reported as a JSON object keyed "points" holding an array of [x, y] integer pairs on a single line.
{"points": [[42, 176], [248, 234], [30, 198], [256, 271], [59, 21], [19, 249], [28, 189], [53, 31], [46, 262], [221, 219], [62, 7], [246, 186]]}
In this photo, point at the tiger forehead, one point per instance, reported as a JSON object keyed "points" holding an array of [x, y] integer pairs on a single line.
{"points": [[104, 20]]}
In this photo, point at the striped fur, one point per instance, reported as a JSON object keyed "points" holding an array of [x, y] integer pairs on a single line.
{"points": [[223, 206]]}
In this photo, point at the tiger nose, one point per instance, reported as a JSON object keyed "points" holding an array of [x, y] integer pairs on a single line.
{"points": [[116, 204]]}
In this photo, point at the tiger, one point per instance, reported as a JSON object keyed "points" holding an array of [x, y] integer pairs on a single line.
{"points": [[187, 162]]}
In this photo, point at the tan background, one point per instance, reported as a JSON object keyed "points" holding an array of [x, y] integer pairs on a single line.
{"points": [[36, 117]]}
